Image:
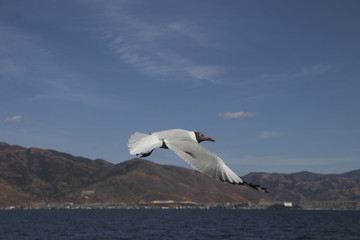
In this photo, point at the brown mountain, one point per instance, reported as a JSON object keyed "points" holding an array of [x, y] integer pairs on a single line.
{"points": [[35, 175], [140, 180], [312, 189], [28, 175]]}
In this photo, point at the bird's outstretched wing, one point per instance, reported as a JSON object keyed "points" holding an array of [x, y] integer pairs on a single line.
{"points": [[207, 162], [203, 160]]}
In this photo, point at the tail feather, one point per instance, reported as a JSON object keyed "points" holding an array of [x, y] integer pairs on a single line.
{"points": [[141, 143]]}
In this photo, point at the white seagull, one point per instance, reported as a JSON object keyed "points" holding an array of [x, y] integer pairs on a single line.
{"points": [[186, 145]]}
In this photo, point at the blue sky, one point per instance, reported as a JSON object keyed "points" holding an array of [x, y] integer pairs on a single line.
{"points": [[275, 83]]}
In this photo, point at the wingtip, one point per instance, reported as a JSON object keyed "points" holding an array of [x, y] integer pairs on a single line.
{"points": [[253, 186], [256, 187]]}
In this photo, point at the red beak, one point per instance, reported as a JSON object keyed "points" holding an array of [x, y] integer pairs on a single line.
{"points": [[210, 139]]}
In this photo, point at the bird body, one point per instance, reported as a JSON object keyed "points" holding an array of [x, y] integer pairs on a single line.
{"points": [[186, 145], [141, 143]]}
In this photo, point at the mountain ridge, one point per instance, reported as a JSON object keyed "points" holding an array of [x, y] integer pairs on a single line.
{"points": [[32, 175]]}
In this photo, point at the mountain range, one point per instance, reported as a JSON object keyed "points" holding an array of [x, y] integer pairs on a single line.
{"points": [[33, 175]]}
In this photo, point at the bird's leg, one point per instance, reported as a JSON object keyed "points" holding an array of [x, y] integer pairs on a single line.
{"points": [[146, 154]]}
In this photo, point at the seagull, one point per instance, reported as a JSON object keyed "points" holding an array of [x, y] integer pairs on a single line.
{"points": [[186, 145]]}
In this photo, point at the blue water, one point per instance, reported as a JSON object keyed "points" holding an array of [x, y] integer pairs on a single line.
{"points": [[179, 224]]}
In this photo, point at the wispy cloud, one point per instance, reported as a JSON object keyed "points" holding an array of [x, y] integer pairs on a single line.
{"points": [[203, 72], [293, 75], [281, 163], [268, 134], [43, 77], [232, 115], [150, 59], [189, 30], [152, 48], [17, 47], [16, 118], [288, 76]]}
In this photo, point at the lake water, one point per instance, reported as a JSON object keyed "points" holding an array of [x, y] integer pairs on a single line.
{"points": [[179, 224]]}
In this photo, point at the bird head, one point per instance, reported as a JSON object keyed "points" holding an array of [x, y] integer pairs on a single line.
{"points": [[201, 137]]}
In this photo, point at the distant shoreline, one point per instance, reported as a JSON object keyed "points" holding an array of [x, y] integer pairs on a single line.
{"points": [[175, 207]]}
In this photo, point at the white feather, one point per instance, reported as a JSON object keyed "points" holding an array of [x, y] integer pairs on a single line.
{"points": [[203, 160], [141, 143], [185, 145]]}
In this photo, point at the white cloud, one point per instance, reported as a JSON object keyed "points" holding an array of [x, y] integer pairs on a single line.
{"points": [[16, 118], [288, 164], [43, 77], [267, 134], [305, 72], [203, 72], [179, 26], [146, 57], [289, 76], [230, 115], [186, 28], [152, 48]]}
